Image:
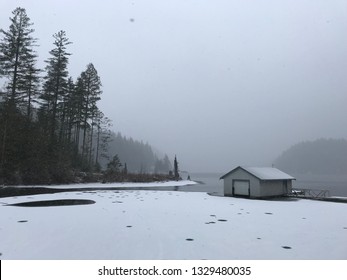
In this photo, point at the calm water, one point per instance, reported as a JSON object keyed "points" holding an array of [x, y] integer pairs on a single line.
{"points": [[336, 185], [209, 182]]}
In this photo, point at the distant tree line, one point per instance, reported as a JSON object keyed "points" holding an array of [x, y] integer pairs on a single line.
{"points": [[50, 125], [322, 156], [137, 156]]}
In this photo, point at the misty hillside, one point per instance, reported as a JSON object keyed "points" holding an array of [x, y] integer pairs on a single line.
{"points": [[322, 156], [139, 156]]}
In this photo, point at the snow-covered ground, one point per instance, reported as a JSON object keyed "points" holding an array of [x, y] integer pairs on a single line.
{"points": [[152, 224], [124, 185]]}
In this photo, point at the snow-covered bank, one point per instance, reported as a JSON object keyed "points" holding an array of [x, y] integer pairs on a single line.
{"points": [[128, 185], [136, 224], [122, 185]]}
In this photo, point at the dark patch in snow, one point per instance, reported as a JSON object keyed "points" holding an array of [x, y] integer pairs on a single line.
{"points": [[304, 218], [268, 213], [345, 228], [189, 239], [129, 226], [286, 247], [210, 223], [22, 221], [239, 213], [58, 202], [213, 215], [222, 220], [258, 238]]}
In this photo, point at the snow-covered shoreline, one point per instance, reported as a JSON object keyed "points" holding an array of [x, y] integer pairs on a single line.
{"points": [[126, 185], [151, 224], [114, 185]]}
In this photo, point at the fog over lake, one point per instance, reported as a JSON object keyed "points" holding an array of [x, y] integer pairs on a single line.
{"points": [[218, 83]]}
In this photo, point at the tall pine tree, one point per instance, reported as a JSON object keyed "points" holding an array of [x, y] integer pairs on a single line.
{"points": [[17, 55], [56, 80], [18, 67], [91, 88]]}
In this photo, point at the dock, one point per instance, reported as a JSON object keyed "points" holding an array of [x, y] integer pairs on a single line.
{"points": [[316, 194]]}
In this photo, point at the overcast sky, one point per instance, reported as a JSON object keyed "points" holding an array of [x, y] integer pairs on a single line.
{"points": [[218, 82]]}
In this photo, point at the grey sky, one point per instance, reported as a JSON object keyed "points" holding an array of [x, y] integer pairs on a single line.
{"points": [[217, 82]]}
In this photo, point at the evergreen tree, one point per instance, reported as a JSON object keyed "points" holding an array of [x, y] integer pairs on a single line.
{"points": [[90, 86], [125, 170], [56, 80], [77, 103], [17, 66], [103, 137], [176, 170], [31, 88], [17, 55], [114, 165], [69, 112]]}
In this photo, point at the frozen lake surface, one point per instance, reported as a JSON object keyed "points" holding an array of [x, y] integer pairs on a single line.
{"points": [[162, 224]]}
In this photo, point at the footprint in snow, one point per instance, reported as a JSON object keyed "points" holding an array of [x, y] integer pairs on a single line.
{"points": [[258, 238], [286, 247], [129, 226], [222, 220], [210, 223], [189, 239], [213, 215], [268, 213], [22, 221]]}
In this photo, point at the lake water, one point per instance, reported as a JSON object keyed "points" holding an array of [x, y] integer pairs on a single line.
{"points": [[336, 185]]}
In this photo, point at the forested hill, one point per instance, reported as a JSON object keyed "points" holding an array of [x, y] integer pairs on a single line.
{"points": [[322, 156], [138, 156]]}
